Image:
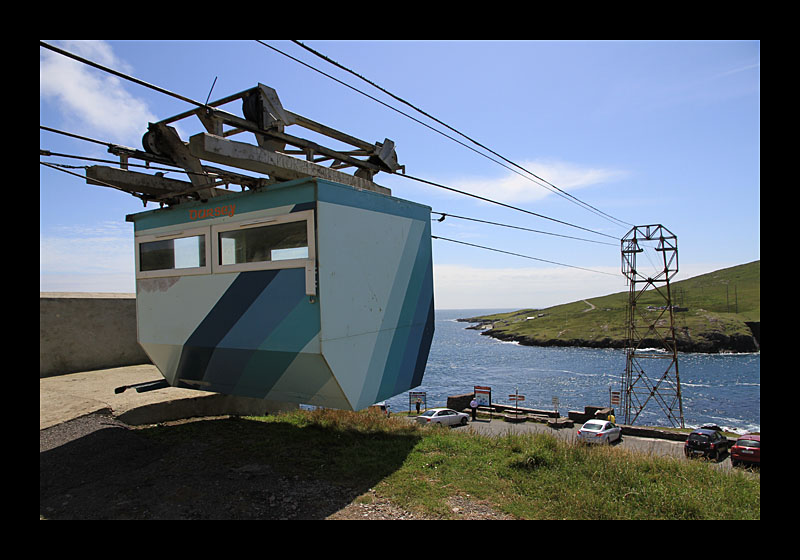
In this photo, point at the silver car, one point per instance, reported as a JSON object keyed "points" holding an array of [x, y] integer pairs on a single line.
{"points": [[445, 416], [599, 431]]}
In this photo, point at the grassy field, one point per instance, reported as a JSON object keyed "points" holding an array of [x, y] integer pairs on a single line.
{"points": [[524, 476], [720, 302]]}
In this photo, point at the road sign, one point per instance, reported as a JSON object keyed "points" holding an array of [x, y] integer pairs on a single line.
{"points": [[483, 395], [615, 397], [517, 397]]}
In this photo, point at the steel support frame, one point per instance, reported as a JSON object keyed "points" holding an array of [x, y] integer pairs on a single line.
{"points": [[650, 338], [266, 119]]}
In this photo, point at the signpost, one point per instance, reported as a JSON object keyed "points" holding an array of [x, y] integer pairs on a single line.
{"points": [[516, 397], [555, 404]]}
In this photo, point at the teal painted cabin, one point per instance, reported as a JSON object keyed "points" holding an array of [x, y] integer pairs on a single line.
{"points": [[306, 292]]}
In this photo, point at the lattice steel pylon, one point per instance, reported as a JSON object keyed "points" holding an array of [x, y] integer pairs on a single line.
{"points": [[651, 329]]}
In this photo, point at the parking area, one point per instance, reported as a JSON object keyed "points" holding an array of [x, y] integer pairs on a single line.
{"points": [[655, 446]]}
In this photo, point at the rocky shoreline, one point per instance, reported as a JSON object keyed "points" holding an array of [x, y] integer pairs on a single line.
{"points": [[706, 343]]}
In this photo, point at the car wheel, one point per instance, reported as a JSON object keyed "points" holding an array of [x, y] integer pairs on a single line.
{"points": [[463, 420]]}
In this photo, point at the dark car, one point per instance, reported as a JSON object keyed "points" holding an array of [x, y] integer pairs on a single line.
{"points": [[747, 450], [709, 443]]}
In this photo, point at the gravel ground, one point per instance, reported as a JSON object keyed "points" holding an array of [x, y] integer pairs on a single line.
{"points": [[96, 467]]}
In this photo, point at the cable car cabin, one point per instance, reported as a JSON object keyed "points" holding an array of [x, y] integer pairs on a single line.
{"points": [[307, 292]]}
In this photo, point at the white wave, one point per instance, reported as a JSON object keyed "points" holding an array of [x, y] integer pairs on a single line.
{"points": [[736, 425]]}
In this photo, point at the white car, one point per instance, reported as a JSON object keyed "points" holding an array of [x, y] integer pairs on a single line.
{"points": [[599, 431], [443, 416]]}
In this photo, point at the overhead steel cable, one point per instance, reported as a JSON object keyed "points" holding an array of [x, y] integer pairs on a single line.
{"points": [[520, 255], [73, 135], [418, 121], [149, 166], [120, 74], [375, 99], [517, 208], [395, 109], [43, 152], [197, 103], [401, 100], [61, 168], [145, 199], [110, 145], [449, 215]]}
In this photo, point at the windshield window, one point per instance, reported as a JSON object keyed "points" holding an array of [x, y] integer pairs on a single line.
{"points": [[748, 443], [593, 426], [698, 437], [428, 413]]}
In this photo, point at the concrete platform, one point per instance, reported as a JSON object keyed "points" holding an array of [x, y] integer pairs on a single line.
{"points": [[66, 397]]}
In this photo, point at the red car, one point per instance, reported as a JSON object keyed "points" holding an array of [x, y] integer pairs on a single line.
{"points": [[747, 449]]}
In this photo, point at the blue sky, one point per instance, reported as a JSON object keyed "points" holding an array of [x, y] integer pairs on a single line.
{"points": [[650, 132]]}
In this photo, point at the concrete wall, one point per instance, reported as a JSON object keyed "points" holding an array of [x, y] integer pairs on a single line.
{"points": [[87, 331]]}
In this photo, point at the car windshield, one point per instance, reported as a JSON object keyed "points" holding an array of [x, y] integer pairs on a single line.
{"points": [[698, 437], [593, 426], [748, 443], [428, 413]]}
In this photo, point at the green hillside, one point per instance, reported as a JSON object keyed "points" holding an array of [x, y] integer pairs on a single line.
{"points": [[722, 313]]}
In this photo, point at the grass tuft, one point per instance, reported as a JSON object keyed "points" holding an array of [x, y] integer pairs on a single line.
{"points": [[527, 476], [538, 476]]}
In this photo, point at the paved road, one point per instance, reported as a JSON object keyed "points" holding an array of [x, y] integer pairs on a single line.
{"points": [[655, 446], [67, 397]]}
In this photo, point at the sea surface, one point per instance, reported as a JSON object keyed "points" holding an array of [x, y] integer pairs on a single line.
{"points": [[724, 389]]}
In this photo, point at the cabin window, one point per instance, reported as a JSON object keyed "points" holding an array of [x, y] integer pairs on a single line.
{"points": [[267, 243], [173, 254], [257, 243], [182, 252]]}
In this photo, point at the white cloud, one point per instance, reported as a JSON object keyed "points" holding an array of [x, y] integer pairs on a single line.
{"points": [[99, 258], [85, 283], [520, 187], [465, 287], [92, 101]]}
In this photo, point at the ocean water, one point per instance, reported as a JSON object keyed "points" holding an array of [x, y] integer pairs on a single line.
{"points": [[723, 389]]}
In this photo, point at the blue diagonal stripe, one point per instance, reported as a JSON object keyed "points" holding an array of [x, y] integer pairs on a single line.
{"points": [[199, 347]]}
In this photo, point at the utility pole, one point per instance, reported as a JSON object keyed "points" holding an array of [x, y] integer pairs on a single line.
{"points": [[650, 331]]}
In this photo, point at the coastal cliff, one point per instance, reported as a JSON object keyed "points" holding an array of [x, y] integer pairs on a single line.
{"points": [[713, 313], [704, 342]]}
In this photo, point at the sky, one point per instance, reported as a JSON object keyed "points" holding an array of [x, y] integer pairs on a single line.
{"points": [[646, 132]]}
